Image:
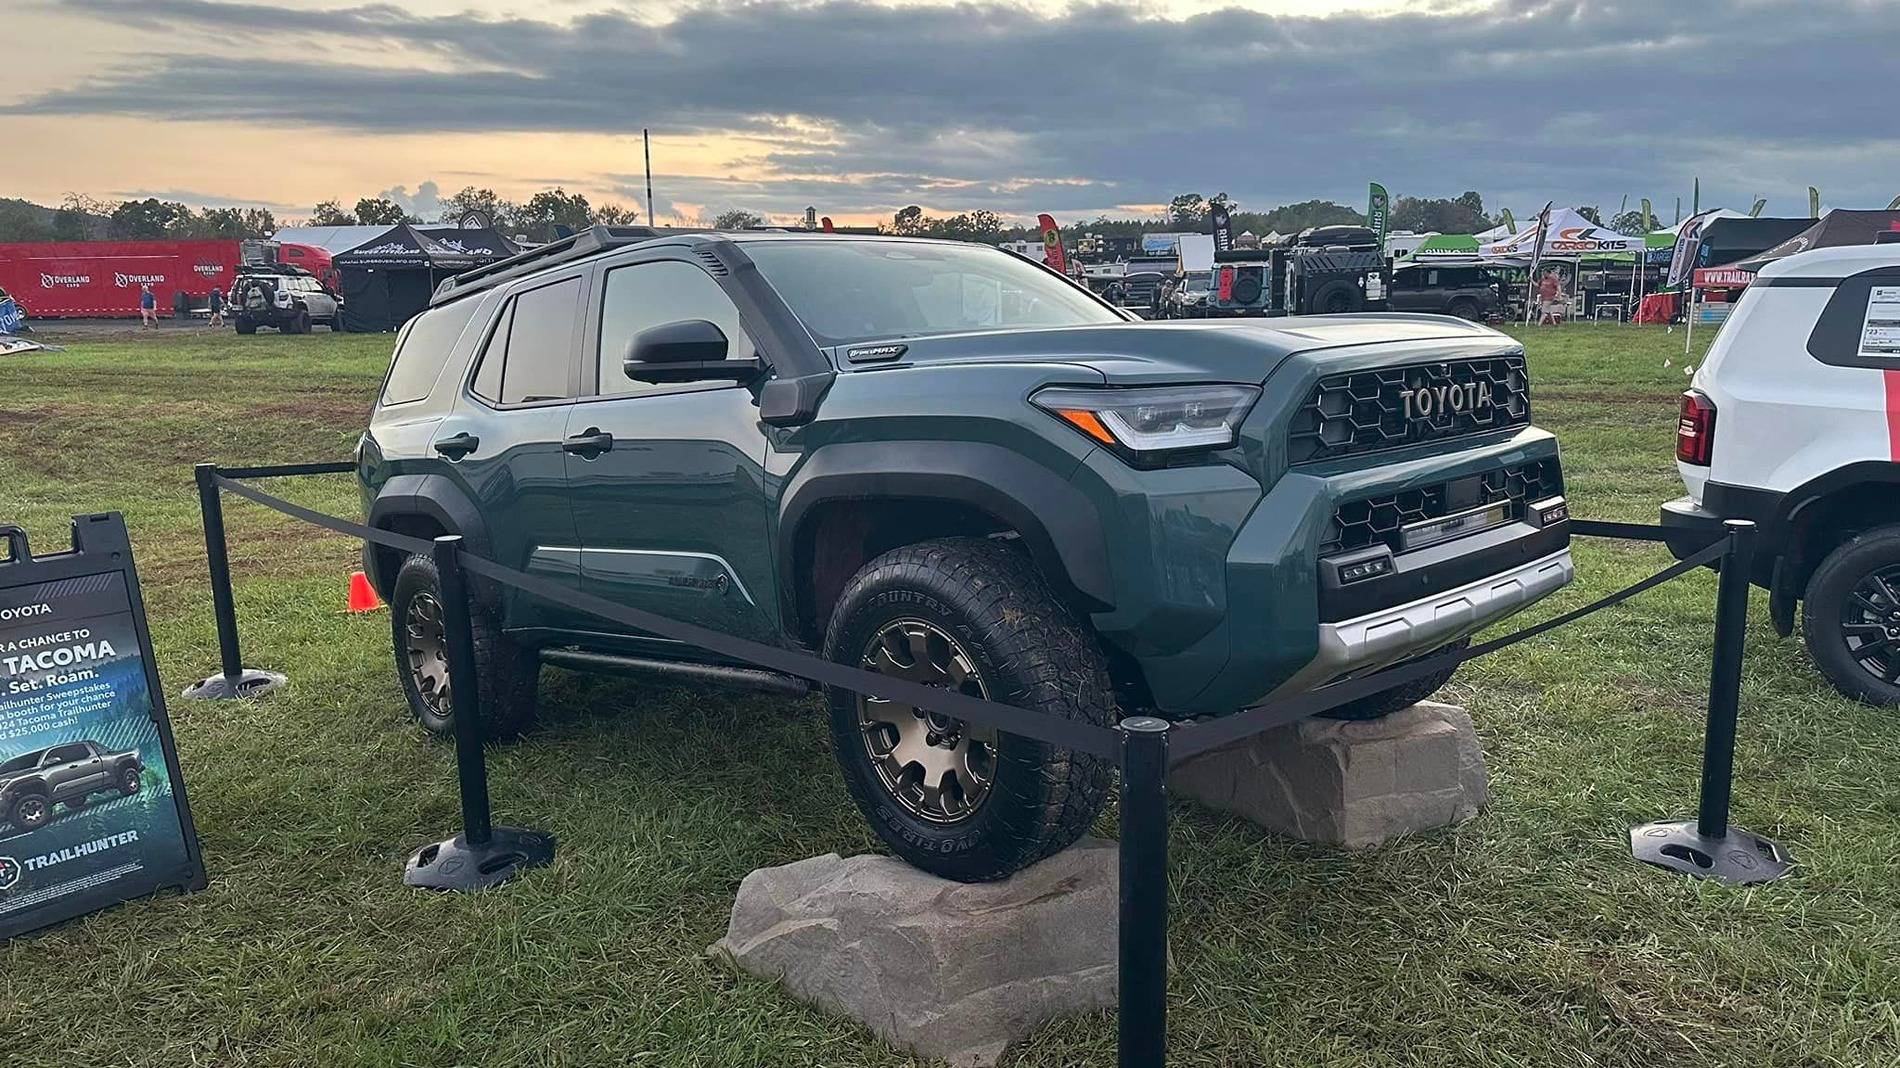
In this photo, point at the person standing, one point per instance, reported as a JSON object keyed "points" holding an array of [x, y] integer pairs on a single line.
{"points": [[215, 301], [148, 306], [1548, 290]]}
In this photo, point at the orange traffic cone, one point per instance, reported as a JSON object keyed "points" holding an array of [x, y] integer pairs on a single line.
{"points": [[362, 596]]}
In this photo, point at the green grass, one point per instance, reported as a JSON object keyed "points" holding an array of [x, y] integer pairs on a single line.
{"points": [[1526, 937]]}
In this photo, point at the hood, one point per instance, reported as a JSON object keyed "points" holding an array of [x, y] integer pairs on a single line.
{"points": [[1220, 351]]}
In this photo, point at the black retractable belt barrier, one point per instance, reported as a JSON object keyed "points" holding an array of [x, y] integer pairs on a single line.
{"points": [[233, 679], [1707, 847], [483, 855], [1143, 747]]}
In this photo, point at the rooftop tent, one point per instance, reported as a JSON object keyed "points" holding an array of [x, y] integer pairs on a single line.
{"points": [[389, 278], [1439, 246], [1835, 229], [1568, 236]]}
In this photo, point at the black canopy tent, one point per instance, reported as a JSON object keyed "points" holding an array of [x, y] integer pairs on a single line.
{"points": [[1726, 239], [389, 278], [1836, 229]]}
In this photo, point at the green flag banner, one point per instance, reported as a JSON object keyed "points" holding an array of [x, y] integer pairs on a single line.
{"points": [[1378, 207]]}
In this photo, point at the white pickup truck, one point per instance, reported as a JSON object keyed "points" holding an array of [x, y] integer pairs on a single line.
{"points": [[1793, 421]]}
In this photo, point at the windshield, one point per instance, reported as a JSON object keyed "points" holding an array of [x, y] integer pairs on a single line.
{"points": [[851, 291]]}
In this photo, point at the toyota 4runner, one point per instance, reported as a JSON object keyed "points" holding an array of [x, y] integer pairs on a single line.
{"points": [[943, 462], [1794, 422], [288, 299]]}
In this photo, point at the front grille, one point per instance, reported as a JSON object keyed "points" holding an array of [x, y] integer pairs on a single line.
{"points": [[1366, 411], [1378, 520]]}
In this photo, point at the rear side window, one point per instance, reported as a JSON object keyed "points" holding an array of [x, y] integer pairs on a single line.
{"points": [[425, 350], [530, 356]]}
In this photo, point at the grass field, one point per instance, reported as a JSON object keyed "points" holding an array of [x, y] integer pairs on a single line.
{"points": [[1527, 937]]}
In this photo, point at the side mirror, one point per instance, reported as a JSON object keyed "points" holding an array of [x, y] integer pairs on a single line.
{"points": [[691, 350]]}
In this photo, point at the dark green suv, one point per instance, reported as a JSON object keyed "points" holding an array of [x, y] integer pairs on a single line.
{"points": [[942, 461]]}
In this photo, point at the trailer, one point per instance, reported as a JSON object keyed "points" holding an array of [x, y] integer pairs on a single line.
{"points": [[70, 279]]}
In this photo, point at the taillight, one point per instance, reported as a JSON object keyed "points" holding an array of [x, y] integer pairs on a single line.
{"points": [[1695, 430]]}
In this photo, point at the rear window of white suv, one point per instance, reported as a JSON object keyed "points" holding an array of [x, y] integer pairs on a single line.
{"points": [[424, 351]]}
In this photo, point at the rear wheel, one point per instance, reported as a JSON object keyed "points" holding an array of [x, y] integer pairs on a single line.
{"points": [[505, 674], [1851, 617], [955, 799], [1385, 702], [1466, 308]]}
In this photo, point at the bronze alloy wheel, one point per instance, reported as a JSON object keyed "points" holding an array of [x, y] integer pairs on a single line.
{"points": [[32, 813], [940, 769], [427, 646]]}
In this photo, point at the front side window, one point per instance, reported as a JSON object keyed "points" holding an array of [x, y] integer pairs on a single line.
{"points": [[849, 291], [644, 295], [530, 356]]}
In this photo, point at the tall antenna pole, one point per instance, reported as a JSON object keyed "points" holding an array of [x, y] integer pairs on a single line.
{"points": [[646, 140]]}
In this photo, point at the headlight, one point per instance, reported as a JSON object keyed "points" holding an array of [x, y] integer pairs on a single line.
{"points": [[1153, 419]]}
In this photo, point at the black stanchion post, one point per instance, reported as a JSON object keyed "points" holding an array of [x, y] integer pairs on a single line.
{"points": [[233, 680], [1143, 1017], [483, 855], [1707, 846]]}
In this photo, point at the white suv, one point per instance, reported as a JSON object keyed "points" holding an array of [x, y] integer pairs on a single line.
{"points": [[1794, 422]]}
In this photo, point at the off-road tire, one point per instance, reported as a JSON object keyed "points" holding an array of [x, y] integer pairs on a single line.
{"points": [[1466, 308], [1829, 589], [505, 674], [1398, 698], [244, 327], [30, 823], [1337, 297], [1031, 651], [131, 781]]}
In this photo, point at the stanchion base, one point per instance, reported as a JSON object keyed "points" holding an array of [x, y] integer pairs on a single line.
{"points": [[1739, 857], [247, 683], [458, 865]]}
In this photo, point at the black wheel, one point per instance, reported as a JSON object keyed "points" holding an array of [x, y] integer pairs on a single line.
{"points": [[505, 673], [1385, 702], [244, 327], [74, 804], [30, 812], [1337, 297], [131, 781], [298, 324], [1851, 617], [956, 800], [1466, 308]]}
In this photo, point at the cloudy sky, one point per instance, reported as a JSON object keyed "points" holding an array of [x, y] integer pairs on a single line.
{"points": [[859, 107]]}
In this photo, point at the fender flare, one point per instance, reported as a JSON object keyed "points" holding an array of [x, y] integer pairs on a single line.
{"points": [[1059, 525], [433, 497]]}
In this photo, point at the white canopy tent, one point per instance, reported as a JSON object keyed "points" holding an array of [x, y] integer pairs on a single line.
{"points": [[1566, 236]]}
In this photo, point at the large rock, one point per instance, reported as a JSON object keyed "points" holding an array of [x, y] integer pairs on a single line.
{"points": [[953, 971], [1355, 784]]}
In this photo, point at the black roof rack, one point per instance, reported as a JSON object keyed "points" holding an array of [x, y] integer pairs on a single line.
{"points": [[589, 242]]}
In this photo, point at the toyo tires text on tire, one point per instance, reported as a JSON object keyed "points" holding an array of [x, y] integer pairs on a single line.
{"points": [[1850, 617], [1385, 702], [975, 611], [505, 674]]}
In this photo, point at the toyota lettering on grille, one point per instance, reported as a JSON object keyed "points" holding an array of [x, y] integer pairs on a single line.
{"points": [[1436, 400]]}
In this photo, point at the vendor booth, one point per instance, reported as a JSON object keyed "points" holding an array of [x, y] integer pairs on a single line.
{"points": [[389, 278], [1835, 229]]}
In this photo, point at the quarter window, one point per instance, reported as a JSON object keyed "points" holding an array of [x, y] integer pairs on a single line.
{"points": [[530, 356], [646, 295]]}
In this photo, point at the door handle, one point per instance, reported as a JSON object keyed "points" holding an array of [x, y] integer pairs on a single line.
{"points": [[589, 444], [458, 446]]}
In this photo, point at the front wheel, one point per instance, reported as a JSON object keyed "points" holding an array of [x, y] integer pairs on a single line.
{"points": [[1851, 617], [958, 800], [505, 674], [131, 781], [1405, 695]]}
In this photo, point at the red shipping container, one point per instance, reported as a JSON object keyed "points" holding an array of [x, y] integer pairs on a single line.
{"points": [[102, 278]]}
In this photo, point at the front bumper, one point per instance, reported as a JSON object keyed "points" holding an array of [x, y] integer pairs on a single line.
{"points": [[1384, 637]]}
